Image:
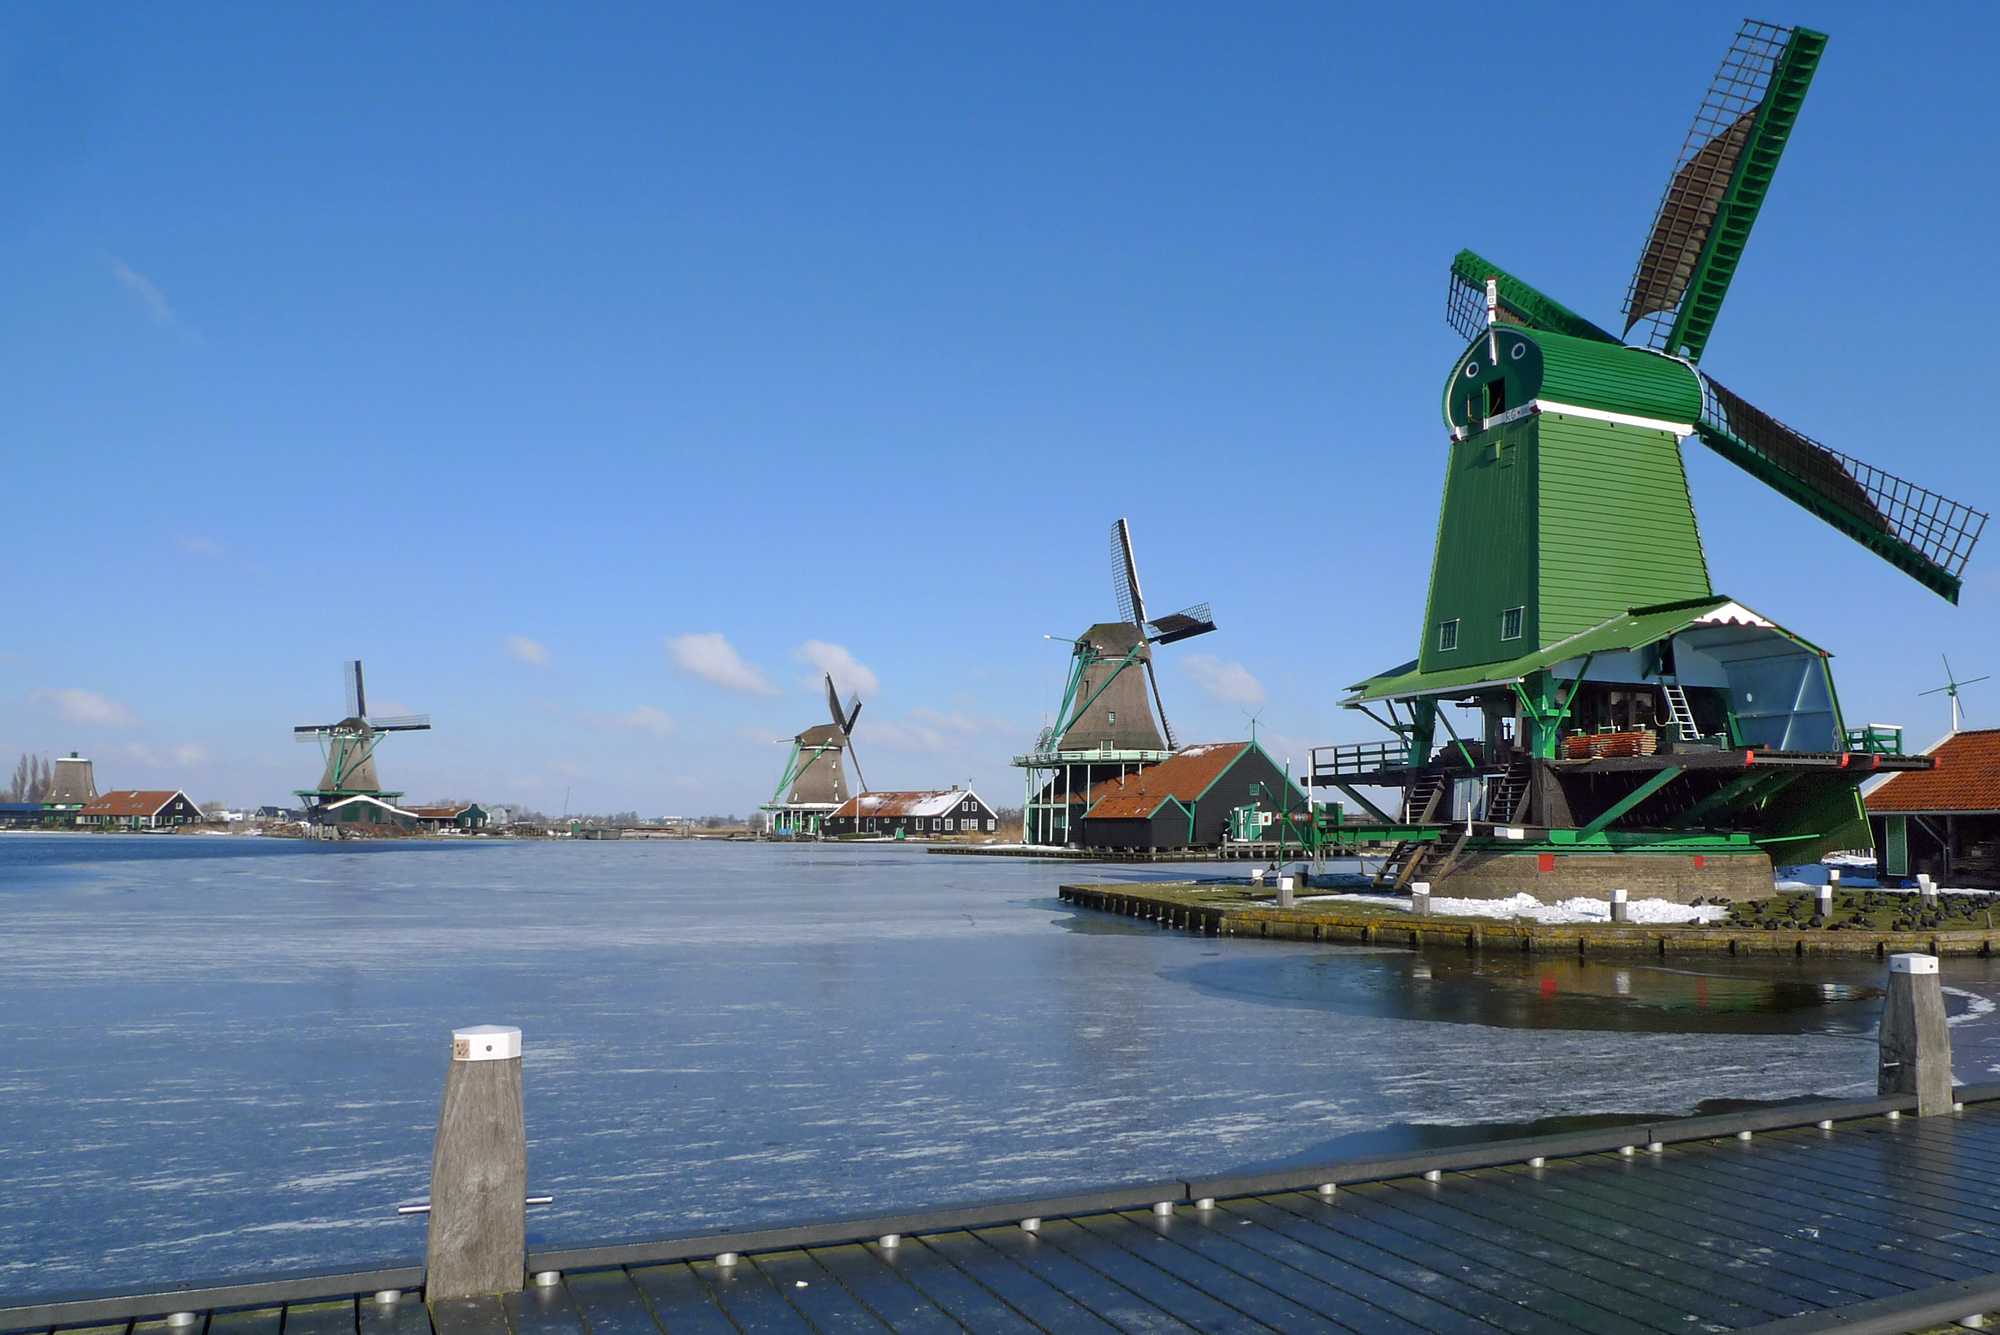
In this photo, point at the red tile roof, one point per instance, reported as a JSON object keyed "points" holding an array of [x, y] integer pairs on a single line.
{"points": [[1134, 805], [131, 802], [1967, 778], [1185, 775]]}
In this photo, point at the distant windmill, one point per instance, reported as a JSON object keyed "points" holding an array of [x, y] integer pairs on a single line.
{"points": [[1950, 688], [349, 745], [815, 781], [1113, 668]]}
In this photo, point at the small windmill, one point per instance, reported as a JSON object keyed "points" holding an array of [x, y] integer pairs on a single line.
{"points": [[1106, 702], [814, 784], [1950, 688], [349, 745]]}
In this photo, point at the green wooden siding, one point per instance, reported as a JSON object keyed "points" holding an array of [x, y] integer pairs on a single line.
{"points": [[1590, 374], [1485, 560], [1536, 364], [1616, 524]]}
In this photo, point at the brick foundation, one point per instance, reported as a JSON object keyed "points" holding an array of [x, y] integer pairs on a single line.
{"points": [[1594, 876]]}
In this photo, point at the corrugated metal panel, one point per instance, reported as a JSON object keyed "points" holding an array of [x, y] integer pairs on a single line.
{"points": [[1617, 379], [1617, 526], [1485, 559]]}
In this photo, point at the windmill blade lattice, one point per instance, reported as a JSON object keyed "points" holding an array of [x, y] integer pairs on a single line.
{"points": [[1925, 535], [1718, 185], [1125, 576], [1465, 303]]}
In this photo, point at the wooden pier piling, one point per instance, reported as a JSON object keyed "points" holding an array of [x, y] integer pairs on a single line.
{"points": [[1915, 1040], [479, 1170]]}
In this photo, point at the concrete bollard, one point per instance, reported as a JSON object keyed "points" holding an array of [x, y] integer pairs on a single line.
{"points": [[1833, 877], [1823, 901], [1927, 889], [479, 1170], [1915, 1043], [1285, 896], [1256, 876], [1420, 898], [1621, 908]]}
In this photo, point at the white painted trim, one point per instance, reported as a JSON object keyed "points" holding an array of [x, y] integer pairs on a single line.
{"points": [[1622, 419]]}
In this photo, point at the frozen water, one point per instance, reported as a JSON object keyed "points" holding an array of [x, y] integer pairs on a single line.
{"points": [[225, 1055]]}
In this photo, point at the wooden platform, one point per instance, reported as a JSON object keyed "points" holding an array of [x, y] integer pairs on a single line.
{"points": [[1236, 911], [1874, 1223]]}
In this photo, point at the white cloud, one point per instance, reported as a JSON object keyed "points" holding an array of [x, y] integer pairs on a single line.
{"points": [[849, 677], [196, 545], [527, 650], [930, 731], [142, 287], [761, 736], [1225, 683], [81, 706], [643, 719], [712, 658], [190, 753]]}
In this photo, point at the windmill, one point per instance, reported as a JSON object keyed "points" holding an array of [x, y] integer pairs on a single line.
{"points": [[1111, 672], [1106, 726], [814, 784], [1950, 688], [1570, 601], [349, 745]]}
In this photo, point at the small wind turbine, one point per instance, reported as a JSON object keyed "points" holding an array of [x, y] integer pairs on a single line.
{"points": [[1950, 688]]}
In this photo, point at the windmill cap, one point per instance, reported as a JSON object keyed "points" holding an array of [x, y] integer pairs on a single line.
{"points": [[485, 1043]]}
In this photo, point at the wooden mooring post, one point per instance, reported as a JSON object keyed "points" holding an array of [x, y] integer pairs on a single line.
{"points": [[479, 1170], [1915, 1040]]}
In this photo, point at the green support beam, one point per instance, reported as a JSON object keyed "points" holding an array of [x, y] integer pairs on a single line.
{"points": [[1742, 791], [1630, 800], [1366, 805]]}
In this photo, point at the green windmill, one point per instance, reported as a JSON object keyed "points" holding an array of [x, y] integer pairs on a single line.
{"points": [[1626, 707]]}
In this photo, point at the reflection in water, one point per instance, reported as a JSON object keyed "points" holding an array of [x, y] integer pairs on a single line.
{"points": [[1526, 992]]}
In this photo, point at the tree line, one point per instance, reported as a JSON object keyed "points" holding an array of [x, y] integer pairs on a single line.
{"points": [[33, 778]]}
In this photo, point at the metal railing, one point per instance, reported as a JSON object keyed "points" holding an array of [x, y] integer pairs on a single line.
{"points": [[1877, 739], [1358, 758]]}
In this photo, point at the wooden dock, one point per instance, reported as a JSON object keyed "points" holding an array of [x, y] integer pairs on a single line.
{"points": [[1832, 1217], [1236, 911]]}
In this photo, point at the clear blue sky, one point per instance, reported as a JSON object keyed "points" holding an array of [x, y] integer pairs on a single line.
{"points": [[506, 347]]}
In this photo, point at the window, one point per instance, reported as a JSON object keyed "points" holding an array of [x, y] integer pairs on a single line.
{"points": [[1112, 714], [1448, 635], [1496, 397], [1510, 623], [948, 826]]}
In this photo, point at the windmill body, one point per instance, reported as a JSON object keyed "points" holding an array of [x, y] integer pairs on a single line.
{"points": [[1112, 722], [1633, 726]]}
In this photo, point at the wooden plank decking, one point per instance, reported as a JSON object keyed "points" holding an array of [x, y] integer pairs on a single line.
{"points": [[1697, 1230]]}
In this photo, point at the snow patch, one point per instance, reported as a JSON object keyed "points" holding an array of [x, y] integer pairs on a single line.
{"points": [[1569, 910]]}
